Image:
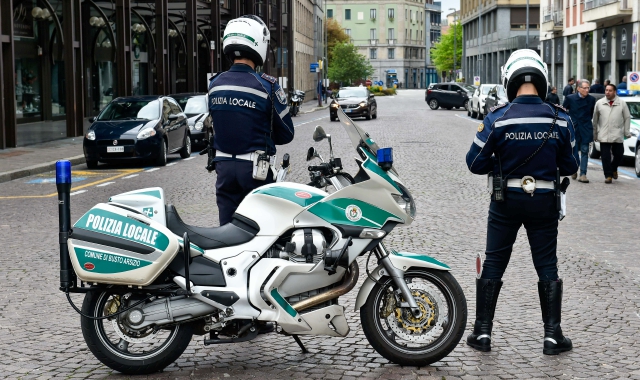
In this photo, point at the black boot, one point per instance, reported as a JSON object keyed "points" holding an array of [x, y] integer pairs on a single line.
{"points": [[550, 293], [486, 298]]}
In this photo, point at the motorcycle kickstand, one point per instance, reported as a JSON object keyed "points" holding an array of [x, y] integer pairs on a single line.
{"points": [[304, 350]]}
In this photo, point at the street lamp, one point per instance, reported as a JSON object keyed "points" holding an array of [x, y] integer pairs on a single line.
{"points": [[454, 41]]}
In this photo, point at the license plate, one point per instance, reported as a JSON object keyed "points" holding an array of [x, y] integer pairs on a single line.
{"points": [[347, 110], [115, 149]]}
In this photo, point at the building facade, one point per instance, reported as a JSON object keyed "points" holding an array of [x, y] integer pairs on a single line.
{"points": [[433, 30], [492, 30], [590, 39], [391, 34], [62, 61]]}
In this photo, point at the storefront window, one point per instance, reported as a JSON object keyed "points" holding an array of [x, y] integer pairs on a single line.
{"points": [[587, 57], [28, 101]]}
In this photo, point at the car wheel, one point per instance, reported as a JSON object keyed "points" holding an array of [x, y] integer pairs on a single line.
{"points": [[479, 116], [92, 164], [375, 114], [466, 106], [637, 161], [368, 115], [433, 104], [332, 118], [185, 152], [162, 155], [593, 151]]}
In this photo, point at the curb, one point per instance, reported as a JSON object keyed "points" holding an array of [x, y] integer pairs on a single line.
{"points": [[37, 169], [315, 109]]}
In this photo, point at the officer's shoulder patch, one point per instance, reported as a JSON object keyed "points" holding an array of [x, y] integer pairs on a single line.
{"points": [[561, 108], [268, 78], [282, 98], [480, 127], [494, 108]]}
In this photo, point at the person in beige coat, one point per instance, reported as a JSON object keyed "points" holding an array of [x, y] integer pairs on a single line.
{"points": [[611, 122]]}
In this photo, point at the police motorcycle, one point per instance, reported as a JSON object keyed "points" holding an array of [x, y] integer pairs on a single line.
{"points": [[295, 101], [151, 281]]}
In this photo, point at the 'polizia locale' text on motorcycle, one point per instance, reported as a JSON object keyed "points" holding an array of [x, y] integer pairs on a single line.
{"points": [[151, 281]]}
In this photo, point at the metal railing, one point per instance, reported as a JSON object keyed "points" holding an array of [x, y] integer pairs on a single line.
{"points": [[549, 14], [590, 4], [391, 41]]}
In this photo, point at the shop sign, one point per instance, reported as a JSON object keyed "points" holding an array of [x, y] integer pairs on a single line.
{"points": [[623, 37], [546, 51], [634, 80], [604, 45], [559, 50], [22, 21]]}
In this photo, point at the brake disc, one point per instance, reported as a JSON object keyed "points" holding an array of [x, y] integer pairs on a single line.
{"points": [[423, 328], [119, 323]]}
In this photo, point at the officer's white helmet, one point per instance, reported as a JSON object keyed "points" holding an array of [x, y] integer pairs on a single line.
{"points": [[246, 37], [524, 66]]}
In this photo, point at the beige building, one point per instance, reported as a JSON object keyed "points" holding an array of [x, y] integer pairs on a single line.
{"points": [[308, 43], [449, 20]]}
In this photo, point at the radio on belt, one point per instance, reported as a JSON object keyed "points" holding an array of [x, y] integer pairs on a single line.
{"points": [[260, 165]]}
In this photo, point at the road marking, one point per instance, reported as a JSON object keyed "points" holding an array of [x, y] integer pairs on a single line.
{"points": [[628, 173], [467, 118], [310, 121], [190, 158], [151, 170], [625, 176], [105, 184], [130, 176], [123, 173], [171, 164], [78, 192]]}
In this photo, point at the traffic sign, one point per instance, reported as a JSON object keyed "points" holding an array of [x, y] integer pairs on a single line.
{"points": [[476, 81], [634, 80], [314, 67]]}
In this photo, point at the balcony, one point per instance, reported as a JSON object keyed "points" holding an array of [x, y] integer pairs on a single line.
{"points": [[373, 41], [391, 41], [601, 10], [552, 20]]}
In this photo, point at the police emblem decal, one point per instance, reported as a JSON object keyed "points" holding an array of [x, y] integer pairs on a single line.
{"points": [[282, 98], [480, 127], [353, 213]]}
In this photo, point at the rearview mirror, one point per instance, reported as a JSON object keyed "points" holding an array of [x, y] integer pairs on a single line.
{"points": [[173, 116], [311, 153], [319, 134]]}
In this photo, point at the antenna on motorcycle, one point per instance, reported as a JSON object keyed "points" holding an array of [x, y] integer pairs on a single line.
{"points": [[63, 185], [319, 135]]}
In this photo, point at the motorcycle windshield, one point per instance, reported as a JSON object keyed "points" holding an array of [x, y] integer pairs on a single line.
{"points": [[359, 137]]}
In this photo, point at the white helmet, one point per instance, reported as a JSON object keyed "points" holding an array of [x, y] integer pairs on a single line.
{"points": [[524, 66], [246, 37]]}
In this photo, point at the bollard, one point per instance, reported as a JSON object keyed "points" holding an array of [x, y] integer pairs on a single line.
{"points": [[63, 184]]}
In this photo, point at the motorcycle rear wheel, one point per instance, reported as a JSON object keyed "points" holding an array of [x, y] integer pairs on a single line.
{"points": [[122, 352], [409, 341]]}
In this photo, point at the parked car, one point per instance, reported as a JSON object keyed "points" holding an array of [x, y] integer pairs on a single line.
{"points": [[477, 100], [631, 145], [197, 110], [448, 95], [496, 96], [140, 128], [356, 102]]}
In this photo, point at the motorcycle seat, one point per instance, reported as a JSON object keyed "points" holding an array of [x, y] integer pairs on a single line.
{"points": [[240, 230]]}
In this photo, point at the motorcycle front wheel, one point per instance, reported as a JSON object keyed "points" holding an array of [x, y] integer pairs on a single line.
{"points": [[409, 341], [126, 350]]}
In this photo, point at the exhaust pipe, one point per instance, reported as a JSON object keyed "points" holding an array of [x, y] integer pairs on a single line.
{"points": [[348, 283], [63, 184]]}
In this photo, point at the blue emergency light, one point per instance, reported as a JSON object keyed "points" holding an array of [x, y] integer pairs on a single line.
{"points": [[385, 158], [626, 93], [63, 172]]}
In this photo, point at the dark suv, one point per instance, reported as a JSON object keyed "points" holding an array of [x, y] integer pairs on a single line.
{"points": [[448, 95]]}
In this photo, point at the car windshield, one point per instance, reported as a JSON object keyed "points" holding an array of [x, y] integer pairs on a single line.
{"points": [[131, 110], [486, 89], [469, 88], [196, 104], [352, 93], [634, 109], [501, 91]]}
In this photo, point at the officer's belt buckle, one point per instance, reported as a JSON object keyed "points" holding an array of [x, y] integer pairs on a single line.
{"points": [[528, 184]]}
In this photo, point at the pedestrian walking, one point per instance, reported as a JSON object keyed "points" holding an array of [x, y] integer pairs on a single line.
{"points": [[568, 89], [249, 114], [524, 143], [552, 96], [596, 88], [623, 83], [606, 83], [611, 123], [580, 108]]}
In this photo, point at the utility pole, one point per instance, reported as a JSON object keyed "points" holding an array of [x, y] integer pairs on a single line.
{"points": [[527, 40], [480, 42], [454, 43]]}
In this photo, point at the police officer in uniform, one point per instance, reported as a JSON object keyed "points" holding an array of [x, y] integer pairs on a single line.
{"points": [[249, 113], [527, 141]]}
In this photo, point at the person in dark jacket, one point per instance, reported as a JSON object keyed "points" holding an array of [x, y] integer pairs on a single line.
{"points": [[552, 96], [623, 83], [568, 89], [580, 108], [596, 88]]}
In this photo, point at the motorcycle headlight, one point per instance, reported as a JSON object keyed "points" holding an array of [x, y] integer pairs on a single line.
{"points": [[146, 133], [334, 105], [405, 201], [199, 126], [363, 104], [91, 135]]}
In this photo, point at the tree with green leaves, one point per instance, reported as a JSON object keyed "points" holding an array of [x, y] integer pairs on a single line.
{"points": [[348, 65], [442, 51], [335, 35]]}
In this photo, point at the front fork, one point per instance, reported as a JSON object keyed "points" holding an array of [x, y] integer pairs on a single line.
{"points": [[398, 278]]}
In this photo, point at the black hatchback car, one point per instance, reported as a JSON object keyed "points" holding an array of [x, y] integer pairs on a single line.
{"points": [[355, 102], [144, 128], [448, 95]]}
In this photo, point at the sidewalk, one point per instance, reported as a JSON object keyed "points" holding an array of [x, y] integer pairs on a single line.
{"points": [[40, 158]]}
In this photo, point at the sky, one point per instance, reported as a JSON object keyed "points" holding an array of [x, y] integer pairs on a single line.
{"points": [[446, 4]]}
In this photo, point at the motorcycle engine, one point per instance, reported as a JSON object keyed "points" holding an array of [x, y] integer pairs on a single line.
{"points": [[303, 242]]}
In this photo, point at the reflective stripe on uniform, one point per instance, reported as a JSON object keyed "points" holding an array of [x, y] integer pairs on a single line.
{"points": [[284, 113], [478, 142], [529, 120], [248, 90], [573, 143]]}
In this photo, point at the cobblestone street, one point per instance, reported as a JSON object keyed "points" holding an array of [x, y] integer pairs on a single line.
{"points": [[598, 250]]}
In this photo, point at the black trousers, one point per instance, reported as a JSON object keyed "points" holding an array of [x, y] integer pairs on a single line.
{"points": [[612, 154], [539, 215], [235, 181]]}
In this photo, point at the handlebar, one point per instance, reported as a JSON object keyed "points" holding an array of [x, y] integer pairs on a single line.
{"points": [[324, 167]]}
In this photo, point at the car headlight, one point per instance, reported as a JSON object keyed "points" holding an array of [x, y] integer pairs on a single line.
{"points": [[334, 105], [146, 133], [405, 201], [199, 126], [91, 135], [363, 104]]}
